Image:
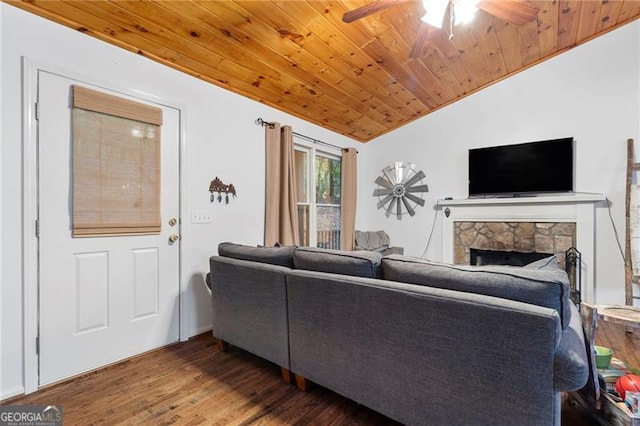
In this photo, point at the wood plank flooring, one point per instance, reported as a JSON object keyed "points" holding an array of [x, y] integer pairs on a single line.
{"points": [[194, 383]]}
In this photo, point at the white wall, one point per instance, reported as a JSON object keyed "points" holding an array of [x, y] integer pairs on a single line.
{"points": [[221, 140], [591, 93]]}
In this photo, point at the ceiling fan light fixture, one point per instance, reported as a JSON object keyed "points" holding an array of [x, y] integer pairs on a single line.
{"points": [[435, 11], [465, 10]]}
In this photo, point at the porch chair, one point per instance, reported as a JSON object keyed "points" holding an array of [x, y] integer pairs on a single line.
{"points": [[377, 241]]}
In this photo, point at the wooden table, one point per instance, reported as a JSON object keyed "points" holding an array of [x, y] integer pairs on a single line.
{"points": [[602, 406], [629, 316]]}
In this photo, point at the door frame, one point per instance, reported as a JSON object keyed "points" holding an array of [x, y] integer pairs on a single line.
{"points": [[30, 246]]}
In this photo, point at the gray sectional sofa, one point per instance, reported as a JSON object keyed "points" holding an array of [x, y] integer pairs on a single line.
{"points": [[424, 343]]}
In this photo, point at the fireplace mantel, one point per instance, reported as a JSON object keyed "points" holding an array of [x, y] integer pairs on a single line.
{"points": [[574, 208], [575, 198]]}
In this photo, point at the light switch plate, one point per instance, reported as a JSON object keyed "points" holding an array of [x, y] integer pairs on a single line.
{"points": [[201, 216]]}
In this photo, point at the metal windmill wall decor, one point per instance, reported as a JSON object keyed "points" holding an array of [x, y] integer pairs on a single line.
{"points": [[400, 185]]}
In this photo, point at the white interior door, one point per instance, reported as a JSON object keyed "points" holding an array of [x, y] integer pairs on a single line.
{"points": [[101, 299]]}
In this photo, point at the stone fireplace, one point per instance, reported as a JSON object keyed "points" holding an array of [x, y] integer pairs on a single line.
{"points": [[546, 224], [525, 237]]}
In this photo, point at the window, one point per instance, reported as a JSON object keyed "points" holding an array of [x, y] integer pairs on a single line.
{"points": [[318, 179], [116, 165]]}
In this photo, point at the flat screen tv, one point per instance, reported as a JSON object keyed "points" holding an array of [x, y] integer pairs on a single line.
{"points": [[522, 169]]}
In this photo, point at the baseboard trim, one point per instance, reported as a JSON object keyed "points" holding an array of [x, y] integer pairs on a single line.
{"points": [[5, 395], [201, 330]]}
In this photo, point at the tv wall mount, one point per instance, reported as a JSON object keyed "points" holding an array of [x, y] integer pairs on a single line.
{"points": [[400, 189]]}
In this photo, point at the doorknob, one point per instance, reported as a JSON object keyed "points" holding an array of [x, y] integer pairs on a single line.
{"points": [[172, 221], [174, 237]]}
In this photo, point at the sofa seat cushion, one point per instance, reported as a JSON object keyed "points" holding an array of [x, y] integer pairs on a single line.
{"points": [[543, 287], [282, 256], [354, 263]]}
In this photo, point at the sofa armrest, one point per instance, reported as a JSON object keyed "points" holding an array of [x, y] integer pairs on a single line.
{"points": [[380, 250], [393, 250], [571, 366], [249, 301]]}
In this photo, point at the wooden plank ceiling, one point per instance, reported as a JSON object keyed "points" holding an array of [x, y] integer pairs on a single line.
{"points": [[356, 79]]}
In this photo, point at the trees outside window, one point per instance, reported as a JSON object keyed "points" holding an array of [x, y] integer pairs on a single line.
{"points": [[318, 179]]}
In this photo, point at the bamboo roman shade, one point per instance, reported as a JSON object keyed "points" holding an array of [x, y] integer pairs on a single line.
{"points": [[116, 165]]}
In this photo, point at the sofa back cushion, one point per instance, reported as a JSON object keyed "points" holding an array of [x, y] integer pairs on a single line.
{"points": [[543, 287], [355, 263], [282, 256]]}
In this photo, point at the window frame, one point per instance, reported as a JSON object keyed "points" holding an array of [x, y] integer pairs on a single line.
{"points": [[312, 150]]}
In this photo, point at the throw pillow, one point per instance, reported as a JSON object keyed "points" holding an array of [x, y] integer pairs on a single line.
{"points": [[548, 262]]}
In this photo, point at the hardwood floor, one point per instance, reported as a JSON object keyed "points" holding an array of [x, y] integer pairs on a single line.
{"points": [[194, 383]]}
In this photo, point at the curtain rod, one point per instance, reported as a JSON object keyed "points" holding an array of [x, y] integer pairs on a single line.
{"points": [[261, 122]]}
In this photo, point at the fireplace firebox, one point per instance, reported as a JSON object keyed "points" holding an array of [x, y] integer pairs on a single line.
{"points": [[501, 257]]}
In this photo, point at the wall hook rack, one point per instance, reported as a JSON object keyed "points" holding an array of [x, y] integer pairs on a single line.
{"points": [[218, 187]]}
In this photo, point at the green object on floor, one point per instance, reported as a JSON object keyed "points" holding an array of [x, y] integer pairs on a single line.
{"points": [[603, 356]]}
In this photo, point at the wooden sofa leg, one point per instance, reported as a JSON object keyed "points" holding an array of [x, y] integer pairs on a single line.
{"points": [[286, 374], [222, 345], [302, 383]]}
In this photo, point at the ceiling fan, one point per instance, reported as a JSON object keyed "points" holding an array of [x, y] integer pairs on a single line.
{"points": [[515, 12]]}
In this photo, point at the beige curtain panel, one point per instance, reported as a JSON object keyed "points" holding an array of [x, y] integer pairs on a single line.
{"points": [[348, 199], [281, 204], [116, 165]]}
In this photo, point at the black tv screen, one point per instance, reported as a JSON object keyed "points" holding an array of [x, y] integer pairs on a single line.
{"points": [[527, 168]]}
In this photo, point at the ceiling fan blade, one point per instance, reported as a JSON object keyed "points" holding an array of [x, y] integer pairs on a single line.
{"points": [[415, 199], [414, 178], [408, 206], [399, 211], [515, 12], [369, 9], [381, 191], [384, 182], [424, 33], [384, 201], [419, 188]]}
